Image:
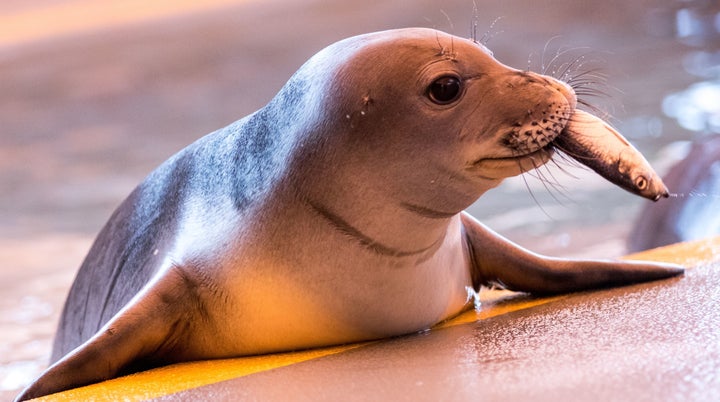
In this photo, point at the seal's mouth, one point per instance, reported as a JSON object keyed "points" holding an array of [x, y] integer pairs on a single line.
{"points": [[502, 167], [546, 150], [527, 144]]}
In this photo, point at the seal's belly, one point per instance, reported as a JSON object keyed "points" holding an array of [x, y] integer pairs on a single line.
{"points": [[284, 307]]}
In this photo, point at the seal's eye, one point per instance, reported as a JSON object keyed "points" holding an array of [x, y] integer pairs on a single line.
{"points": [[445, 90]]}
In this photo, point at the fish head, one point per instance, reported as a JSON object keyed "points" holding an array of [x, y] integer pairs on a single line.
{"points": [[594, 143], [639, 177]]}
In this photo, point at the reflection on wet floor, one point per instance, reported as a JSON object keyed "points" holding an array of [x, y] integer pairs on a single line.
{"points": [[35, 279]]}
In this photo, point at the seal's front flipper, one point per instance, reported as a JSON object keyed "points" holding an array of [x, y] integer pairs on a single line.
{"points": [[141, 335], [498, 261]]}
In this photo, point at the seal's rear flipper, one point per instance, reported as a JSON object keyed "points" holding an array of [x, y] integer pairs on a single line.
{"points": [[498, 261], [139, 336]]}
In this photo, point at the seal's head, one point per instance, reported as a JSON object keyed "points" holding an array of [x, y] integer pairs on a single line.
{"points": [[429, 109]]}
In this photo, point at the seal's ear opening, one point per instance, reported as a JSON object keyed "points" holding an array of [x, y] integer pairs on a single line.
{"points": [[445, 90], [136, 337]]}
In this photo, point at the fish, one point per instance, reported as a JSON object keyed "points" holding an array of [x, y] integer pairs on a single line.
{"points": [[592, 142]]}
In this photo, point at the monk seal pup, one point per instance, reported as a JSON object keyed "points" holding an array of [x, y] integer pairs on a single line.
{"points": [[334, 214]]}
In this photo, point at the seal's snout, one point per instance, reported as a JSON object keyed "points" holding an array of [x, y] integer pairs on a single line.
{"points": [[536, 134], [559, 87], [537, 129], [544, 109], [566, 90]]}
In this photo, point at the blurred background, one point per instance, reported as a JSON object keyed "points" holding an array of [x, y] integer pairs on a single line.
{"points": [[94, 95]]}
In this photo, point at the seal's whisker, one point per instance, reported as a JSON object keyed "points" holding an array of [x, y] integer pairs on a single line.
{"points": [[549, 187], [595, 73], [549, 184], [575, 65], [474, 23], [557, 185], [559, 53], [487, 36], [587, 83], [591, 86], [537, 202], [564, 68], [576, 156], [440, 45], [592, 107], [591, 92], [543, 66], [589, 89], [562, 169], [540, 175], [448, 19], [529, 62], [568, 161], [560, 194]]}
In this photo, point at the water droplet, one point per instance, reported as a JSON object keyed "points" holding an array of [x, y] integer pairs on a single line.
{"points": [[474, 296]]}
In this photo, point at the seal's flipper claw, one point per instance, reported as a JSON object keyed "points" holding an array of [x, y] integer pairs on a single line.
{"points": [[139, 336], [499, 261]]}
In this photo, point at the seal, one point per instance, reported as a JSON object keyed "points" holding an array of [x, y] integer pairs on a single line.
{"points": [[334, 214]]}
